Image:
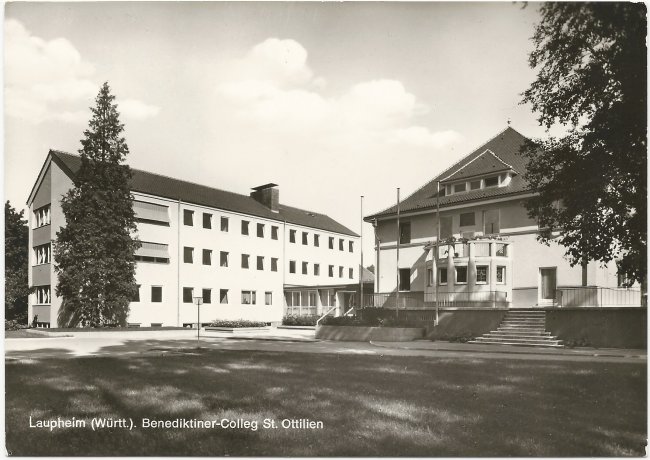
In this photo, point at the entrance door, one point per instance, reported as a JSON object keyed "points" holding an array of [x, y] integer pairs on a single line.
{"points": [[547, 279]]}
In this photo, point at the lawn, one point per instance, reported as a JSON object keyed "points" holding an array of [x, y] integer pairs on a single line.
{"points": [[368, 405]]}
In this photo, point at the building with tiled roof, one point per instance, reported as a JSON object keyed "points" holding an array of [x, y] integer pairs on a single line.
{"points": [[239, 252], [487, 254]]}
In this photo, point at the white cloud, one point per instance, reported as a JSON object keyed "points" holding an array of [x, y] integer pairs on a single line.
{"points": [[137, 110], [49, 80]]}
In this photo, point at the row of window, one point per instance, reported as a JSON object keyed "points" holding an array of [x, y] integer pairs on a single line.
{"points": [[247, 297], [42, 216], [316, 269], [490, 224], [316, 240], [188, 258], [466, 186], [460, 272]]}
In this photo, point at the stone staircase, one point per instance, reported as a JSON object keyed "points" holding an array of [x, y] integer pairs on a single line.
{"points": [[523, 328]]}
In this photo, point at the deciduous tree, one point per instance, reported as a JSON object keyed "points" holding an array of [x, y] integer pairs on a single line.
{"points": [[16, 264]]}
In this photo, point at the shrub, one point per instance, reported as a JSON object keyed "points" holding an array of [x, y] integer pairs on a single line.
{"points": [[581, 342], [363, 320], [13, 325], [294, 320], [343, 321], [236, 323]]}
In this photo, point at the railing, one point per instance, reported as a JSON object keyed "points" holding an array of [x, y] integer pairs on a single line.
{"points": [[300, 310], [325, 315], [598, 297], [418, 301]]}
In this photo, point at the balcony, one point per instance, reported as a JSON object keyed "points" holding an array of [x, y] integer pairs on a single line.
{"points": [[592, 296], [427, 301]]}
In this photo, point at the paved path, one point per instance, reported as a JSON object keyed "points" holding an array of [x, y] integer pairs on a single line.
{"points": [[299, 341]]}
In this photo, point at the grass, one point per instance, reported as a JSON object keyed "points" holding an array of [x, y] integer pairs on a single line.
{"points": [[369, 405], [24, 334]]}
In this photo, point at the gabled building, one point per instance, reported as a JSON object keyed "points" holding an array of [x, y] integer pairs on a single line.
{"points": [[238, 252], [488, 254]]}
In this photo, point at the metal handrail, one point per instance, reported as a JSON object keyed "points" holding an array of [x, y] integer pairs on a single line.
{"points": [[326, 314], [346, 313]]}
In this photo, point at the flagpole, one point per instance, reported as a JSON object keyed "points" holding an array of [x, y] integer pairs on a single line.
{"points": [[434, 260], [397, 266], [361, 267]]}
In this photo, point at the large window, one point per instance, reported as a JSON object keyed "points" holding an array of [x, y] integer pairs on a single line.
{"points": [[274, 232], [207, 295], [260, 230], [446, 227], [224, 224], [312, 298], [207, 257], [475, 185], [244, 227], [207, 220], [467, 219], [244, 260], [42, 216], [223, 296], [43, 296], [404, 232], [156, 294], [43, 254], [492, 181], [188, 292], [292, 266], [188, 217], [223, 259], [248, 297], [460, 187], [188, 255], [461, 274], [404, 279], [481, 274]]}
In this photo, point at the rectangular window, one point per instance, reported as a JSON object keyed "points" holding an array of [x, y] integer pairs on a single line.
{"points": [[475, 185], [351, 273], [429, 276], [292, 266], [312, 298], [317, 269], [274, 264], [43, 296], [340, 272], [331, 242], [136, 294], [223, 296], [501, 275], [188, 217], [274, 232], [188, 292], [404, 279], [207, 295], [304, 268], [244, 227], [404, 232], [330, 271], [260, 230], [188, 255], [442, 276], [207, 257], [351, 246], [244, 260], [223, 259], [501, 250], [296, 298], [467, 219], [461, 275], [260, 262], [207, 220], [481, 274], [446, 227], [341, 242], [316, 240], [305, 238], [248, 297], [492, 181], [224, 224], [42, 216], [268, 298], [491, 221], [156, 294], [43, 254], [459, 187]]}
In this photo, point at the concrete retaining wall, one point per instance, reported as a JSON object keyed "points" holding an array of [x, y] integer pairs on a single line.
{"points": [[366, 334], [599, 327], [465, 323]]}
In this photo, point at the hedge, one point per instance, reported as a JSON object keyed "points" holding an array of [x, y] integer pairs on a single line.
{"points": [[236, 323], [294, 320]]}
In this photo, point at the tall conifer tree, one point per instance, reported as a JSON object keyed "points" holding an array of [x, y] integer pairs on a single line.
{"points": [[95, 251]]}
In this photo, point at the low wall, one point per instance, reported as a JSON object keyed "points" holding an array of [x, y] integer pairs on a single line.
{"points": [[465, 323], [366, 334], [599, 327]]}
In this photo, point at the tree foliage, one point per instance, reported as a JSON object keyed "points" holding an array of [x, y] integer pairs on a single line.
{"points": [[16, 264], [95, 251], [591, 63]]}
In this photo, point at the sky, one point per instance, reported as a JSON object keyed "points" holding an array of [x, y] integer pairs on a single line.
{"points": [[329, 100]]}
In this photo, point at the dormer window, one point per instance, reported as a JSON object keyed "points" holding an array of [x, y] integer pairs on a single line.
{"points": [[475, 185], [460, 187], [492, 181]]}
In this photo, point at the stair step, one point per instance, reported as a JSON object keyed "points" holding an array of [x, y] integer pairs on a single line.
{"points": [[521, 333], [517, 344], [517, 338], [513, 340]]}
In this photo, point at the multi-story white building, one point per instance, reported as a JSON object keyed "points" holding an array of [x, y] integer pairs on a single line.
{"points": [[240, 253], [488, 253]]}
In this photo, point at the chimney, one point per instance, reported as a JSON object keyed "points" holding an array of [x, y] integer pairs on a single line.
{"points": [[268, 195]]}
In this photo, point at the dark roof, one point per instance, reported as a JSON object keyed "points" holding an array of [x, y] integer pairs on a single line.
{"points": [[188, 192], [505, 148], [367, 276], [486, 162]]}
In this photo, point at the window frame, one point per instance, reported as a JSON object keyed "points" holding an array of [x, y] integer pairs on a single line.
{"points": [[260, 230], [185, 255], [466, 214], [456, 274], [442, 270], [207, 252], [245, 261], [487, 274], [245, 230], [403, 237], [292, 267], [209, 221], [156, 293], [268, 297], [274, 232], [260, 262], [225, 224], [223, 295], [252, 294], [223, 256], [209, 296], [191, 296], [274, 264], [188, 216], [503, 270]]}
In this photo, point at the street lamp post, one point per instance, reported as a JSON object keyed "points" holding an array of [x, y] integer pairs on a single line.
{"points": [[198, 300]]}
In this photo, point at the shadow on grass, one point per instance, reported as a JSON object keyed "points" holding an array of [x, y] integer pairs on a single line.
{"points": [[369, 405]]}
